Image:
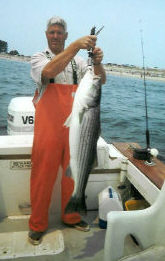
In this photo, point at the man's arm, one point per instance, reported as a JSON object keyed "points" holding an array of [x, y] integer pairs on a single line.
{"points": [[60, 61]]}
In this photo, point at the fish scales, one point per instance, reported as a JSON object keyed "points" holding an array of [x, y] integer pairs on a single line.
{"points": [[87, 148], [84, 124], [87, 134]]}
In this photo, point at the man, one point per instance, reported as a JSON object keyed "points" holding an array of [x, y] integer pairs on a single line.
{"points": [[57, 75]]}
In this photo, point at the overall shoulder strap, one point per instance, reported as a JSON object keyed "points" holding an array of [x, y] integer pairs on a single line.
{"points": [[74, 68], [50, 58]]}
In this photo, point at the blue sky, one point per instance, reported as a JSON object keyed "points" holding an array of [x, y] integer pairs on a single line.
{"points": [[22, 25]]}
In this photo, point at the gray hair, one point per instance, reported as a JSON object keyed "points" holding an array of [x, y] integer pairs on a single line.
{"points": [[57, 20]]}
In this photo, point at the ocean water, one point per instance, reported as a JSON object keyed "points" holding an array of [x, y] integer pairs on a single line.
{"points": [[122, 105]]}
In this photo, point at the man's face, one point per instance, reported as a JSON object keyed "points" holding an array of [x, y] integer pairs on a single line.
{"points": [[56, 37]]}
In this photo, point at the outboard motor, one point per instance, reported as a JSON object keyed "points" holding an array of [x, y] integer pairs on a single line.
{"points": [[20, 116]]}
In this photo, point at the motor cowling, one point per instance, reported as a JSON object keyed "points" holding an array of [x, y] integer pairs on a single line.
{"points": [[20, 116]]}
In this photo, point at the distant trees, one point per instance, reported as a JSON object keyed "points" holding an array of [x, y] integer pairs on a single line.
{"points": [[14, 52], [3, 46]]}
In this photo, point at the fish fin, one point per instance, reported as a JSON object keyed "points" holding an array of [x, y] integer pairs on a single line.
{"points": [[96, 162], [67, 123], [68, 172], [81, 115], [71, 206]]}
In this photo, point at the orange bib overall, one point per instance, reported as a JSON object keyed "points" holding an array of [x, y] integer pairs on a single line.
{"points": [[50, 150]]}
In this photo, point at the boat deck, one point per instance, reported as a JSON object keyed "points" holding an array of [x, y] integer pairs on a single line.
{"points": [[59, 243], [62, 243]]}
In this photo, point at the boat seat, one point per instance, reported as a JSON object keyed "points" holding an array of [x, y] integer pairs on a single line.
{"points": [[147, 226], [150, 254]]}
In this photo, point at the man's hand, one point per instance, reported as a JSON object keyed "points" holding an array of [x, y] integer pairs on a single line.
{"points": [[86, 42], [98, 67], [97, 56]]}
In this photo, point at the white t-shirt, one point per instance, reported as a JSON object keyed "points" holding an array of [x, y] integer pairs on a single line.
{"points": [[38, 62]]}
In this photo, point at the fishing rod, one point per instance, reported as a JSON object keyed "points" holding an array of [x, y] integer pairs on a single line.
{"points": [[90, 52], [145, 93], [147, 153]]}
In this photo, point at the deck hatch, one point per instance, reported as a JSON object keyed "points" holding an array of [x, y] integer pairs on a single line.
{"points": [[15, 244]]}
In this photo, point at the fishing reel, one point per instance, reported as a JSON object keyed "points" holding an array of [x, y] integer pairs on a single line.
{"points": [[90, 52], [146, 154]]}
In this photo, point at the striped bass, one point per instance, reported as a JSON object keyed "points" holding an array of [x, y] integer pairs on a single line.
{"points": [[84, 124]]}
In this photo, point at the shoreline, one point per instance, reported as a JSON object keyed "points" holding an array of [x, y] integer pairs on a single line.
{"points": [[154, 74], [17, 58], [132, 71], [138, 76]]}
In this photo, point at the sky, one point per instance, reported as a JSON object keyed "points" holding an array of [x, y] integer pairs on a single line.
{"points": [[23, 24]]}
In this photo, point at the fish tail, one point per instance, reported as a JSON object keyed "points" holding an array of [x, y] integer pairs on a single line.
{"points": [[76, 205], [81, 206]]}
